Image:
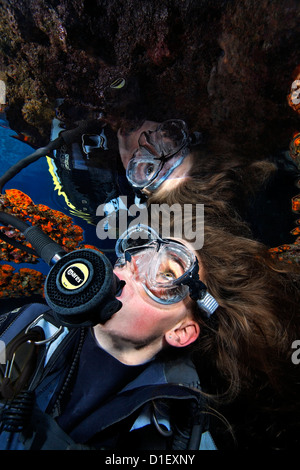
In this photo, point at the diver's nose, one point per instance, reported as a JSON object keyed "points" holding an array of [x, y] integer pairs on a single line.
{"points": [[132, 265], [149, 140], [128, 270]]}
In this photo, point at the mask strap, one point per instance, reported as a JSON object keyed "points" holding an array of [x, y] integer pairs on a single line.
{"points": [[198, 292], [208, 304]]}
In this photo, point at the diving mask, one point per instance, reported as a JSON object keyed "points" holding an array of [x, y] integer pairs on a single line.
{"points": [[166, 268], [159, 153]]}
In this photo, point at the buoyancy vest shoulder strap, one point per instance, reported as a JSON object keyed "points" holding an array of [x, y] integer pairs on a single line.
{"points": [[19, 325], [189, 426], [12, 323], [24, 332]]}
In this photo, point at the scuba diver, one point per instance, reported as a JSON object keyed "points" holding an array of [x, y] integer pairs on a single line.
{"points": [[114, 359], [117, 375], [90, 163]]}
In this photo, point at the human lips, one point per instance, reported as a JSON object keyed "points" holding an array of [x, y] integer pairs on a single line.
{"points": [[120, 284], [122, 279]]}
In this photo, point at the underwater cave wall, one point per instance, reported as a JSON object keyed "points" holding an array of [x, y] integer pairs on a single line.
{"points": [[226, 67]]}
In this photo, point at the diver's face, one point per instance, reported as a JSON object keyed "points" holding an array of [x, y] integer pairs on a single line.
{"points": [[143, 320], [159, 153]]}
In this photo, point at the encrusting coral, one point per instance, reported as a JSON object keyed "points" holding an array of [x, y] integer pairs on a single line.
{"points": [[291, 252], [57, 225], [25, 282]]}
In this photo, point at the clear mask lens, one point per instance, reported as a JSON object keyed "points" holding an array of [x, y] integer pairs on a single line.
{"points": [[160, 265], [142, 170], [155, 148], [174, 134], [168, 266]]}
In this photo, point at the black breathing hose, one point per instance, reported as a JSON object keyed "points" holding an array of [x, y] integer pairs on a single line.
{"points": [[45, 247], [81, 287], [65, 137], [10, 219], [15, 169]]}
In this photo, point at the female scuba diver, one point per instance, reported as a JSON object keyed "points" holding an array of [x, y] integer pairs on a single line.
{"points": [[164, 160], [227, 310], [155, 152], [127, 383]]}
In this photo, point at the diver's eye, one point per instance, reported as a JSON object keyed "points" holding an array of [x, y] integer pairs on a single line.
{"points": [[169, 271], [166, 276], [149, 170]]}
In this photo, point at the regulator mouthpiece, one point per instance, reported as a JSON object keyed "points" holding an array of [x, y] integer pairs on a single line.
{"points": [[81, 289]]}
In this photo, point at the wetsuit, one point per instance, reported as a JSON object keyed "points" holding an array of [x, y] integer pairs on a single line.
{"points": [[84, 398]]}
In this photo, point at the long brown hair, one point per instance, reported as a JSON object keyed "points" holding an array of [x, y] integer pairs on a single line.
{"points": [[227, 180], [258, 317], [244, 350], [259, 311]]}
